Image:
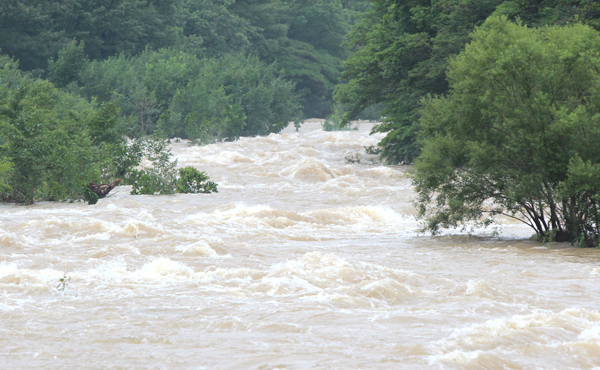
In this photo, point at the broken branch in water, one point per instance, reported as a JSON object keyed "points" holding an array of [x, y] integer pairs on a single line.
{"points": [[102, 190]]}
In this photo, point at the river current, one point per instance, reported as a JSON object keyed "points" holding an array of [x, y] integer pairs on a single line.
{"points": [[305, 259]]}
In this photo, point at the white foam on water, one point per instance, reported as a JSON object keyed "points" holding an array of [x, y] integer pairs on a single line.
{"points": [[12, 239], [164, 268], [8, 269], [545, 329], [263, 216], [29, 279], [201, 248], [302, 260]]}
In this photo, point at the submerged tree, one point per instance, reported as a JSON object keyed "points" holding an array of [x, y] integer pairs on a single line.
{"points": [[517, 135]]}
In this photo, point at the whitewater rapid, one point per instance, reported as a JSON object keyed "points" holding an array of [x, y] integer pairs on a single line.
{"points": [[305, 259]]}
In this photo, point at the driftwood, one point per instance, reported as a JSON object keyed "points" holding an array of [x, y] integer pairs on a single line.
{"points": [[102, 190]]}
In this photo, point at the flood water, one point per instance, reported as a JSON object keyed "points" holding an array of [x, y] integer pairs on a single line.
{"points": [[303, 260]]}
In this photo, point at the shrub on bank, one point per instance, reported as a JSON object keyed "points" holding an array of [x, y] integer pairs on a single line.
{"points": [[518, 134]]}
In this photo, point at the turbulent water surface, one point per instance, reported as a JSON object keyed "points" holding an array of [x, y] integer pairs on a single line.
{"points": [[303, 260]]}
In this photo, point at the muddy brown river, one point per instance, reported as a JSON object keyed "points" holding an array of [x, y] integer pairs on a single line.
{"points": [[303, 260]]}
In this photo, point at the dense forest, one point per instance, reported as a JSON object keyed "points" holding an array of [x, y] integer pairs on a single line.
{"points": [[304, 38], [493, 101], [401, 51], [83, 83]]}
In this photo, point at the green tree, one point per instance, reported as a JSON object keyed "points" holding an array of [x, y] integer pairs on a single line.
{"points": [[552, 12], [69, 66], [230, 97], [304, 38], [175, 93], [46, 141], [400, 52], [193, 181], [143, 85], [33, 31], [27, 32], [311, 54], [216, 27], [110, 27], [517, 135], [52, 143], [161, 176]]}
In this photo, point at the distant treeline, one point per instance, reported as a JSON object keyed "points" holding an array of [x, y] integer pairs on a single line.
{"points": [[303, 37]]}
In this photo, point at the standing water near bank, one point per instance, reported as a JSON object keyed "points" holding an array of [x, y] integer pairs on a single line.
{"points": [[302, 260]]}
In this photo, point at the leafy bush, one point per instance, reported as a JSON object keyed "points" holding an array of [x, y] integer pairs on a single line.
{"points": [[335, 122], [193, 181], [400, 51], [89, 196], [69, 66], [52, 144], [161, 177]]}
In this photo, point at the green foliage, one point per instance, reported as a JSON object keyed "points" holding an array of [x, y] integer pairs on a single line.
{"points": [[45, 139], [193, 181], [109, 27], [89, 196], [400, 51], [335, 122], [161, 176], [122, 159], [371, 113], [33, 31], [581, 192], [312, 53], [27, 32], [176, 94], [305, 37], [552, 12], [5, 170], [104, 124], [69, 66], [142, 85], [517, 135], [51, 143], [231, 97], [213, 28]]}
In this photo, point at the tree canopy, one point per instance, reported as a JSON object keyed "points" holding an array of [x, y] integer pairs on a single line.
{"points": [[400, 52], [304, 38], [400, 55], [518, 134], [53, 142]]}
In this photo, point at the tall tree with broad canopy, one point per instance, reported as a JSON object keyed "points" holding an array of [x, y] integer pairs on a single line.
{"points": [[400, 52], [518, 134]]}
